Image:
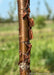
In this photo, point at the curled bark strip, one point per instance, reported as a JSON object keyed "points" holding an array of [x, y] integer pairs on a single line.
{"points": [[31, 22], [30, 34], [26, 12], [28, 45]]}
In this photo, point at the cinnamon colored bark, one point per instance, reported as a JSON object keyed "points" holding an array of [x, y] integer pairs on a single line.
{"points": [[25, 34]]}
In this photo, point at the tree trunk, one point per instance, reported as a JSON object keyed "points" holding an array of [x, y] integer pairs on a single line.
{"points": [[25, 34]]}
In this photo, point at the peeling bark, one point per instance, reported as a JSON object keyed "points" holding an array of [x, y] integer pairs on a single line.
{"points": [[25, 33]]}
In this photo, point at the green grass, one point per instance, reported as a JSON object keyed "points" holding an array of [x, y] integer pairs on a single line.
{"points": [[8, 26], [42, 53], [9, 55]]}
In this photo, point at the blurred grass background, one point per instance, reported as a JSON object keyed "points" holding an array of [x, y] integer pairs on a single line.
{"points": [[42, 53]]}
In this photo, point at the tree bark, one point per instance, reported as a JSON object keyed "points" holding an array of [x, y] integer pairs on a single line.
{"points": [[25, 34]]}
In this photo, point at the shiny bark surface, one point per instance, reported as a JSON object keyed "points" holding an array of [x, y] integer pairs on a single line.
{"points": [[25, 34]]}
